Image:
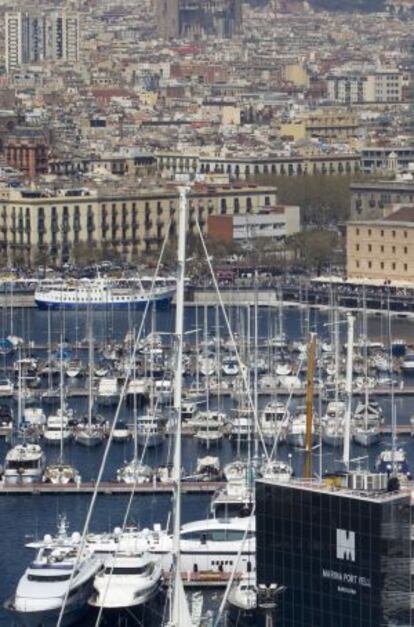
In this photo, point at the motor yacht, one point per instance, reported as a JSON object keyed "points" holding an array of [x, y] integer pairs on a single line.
{"points": [[121, 432], [129, 580], [6, 388], [56, 576], [108, 391], [209, 428], [57, 427], [150, 430], [24, 463], [274, 422], [296, 435]]}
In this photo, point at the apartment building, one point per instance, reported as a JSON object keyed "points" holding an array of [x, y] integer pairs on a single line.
{"points": [[384, 85], [127, 221], [31, 37], [382, 250]]}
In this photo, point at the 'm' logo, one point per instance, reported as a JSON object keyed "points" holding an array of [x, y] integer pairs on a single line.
{"points": [[345, 545]]}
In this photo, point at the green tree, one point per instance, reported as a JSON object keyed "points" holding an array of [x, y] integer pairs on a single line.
{"points": [[316, 249]]}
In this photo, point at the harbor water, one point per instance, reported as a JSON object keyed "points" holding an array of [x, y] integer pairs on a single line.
{"points": [[26, 517]]}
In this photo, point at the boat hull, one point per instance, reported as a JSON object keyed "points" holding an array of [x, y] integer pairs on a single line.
{"points": [[364, 438], [163, 301], [75, 612]]}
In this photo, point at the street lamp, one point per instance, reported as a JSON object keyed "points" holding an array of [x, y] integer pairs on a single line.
{"points": [[267, 600]]}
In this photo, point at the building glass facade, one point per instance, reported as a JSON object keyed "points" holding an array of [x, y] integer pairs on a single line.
{"points": [[344, 557]]}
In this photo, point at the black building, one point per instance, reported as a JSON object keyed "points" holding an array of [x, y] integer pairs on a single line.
{"points": [[344, 556]]}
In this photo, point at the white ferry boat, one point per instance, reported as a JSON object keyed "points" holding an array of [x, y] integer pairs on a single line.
{"points": [[101, 293]]}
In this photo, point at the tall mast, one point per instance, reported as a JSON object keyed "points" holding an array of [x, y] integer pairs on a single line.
{"points": [[61, 399], [179, 612], [349, 366], [91, 368], [309, 406]]}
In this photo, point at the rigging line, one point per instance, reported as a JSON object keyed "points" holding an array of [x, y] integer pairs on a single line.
{"points": [[236, 350], [108, 445]]}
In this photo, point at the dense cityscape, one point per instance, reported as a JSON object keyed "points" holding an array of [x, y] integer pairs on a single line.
{"points": [[206, 310]]}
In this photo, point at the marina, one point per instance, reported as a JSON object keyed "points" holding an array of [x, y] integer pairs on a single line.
{"points": [[167, 420]]}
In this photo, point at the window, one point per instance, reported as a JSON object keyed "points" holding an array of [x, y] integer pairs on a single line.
{"points": [[393, 233], [357, 264], [357, 247], [405, 234], [382, 233], [405, 250], [369, 264], [357, 231], [382, 265], [405, 267], [382, 249], [369, 248], [369, 232], [394, 265], [393, 250]]}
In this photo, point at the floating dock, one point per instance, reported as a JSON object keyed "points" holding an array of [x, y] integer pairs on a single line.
{"points": [[111, 487]]}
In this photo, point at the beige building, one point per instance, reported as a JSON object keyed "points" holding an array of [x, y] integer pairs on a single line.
{"points": [[127, 221], [382, 250]]}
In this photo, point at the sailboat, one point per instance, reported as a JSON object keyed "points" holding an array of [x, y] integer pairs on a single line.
{"points": [[367, 416], [90, 432], [135, 471], [61, 472]]}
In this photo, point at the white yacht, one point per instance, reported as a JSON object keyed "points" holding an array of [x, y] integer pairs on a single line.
{"points": [[135, 472], [24, 463], [56, 575], [209, 427], [296, 435], [230, 367], [242, 425], [61, 474], [366, 423], [6, 388], [121, 432], [137, 389], [108, 391], [34, 416], [150, 431], [242, 600], [163, 392], [57, 427], [333, 431], [407, 364], [74, 369], [235, 499], [207, 365], [274, 422], [277, 470], [129, 580], [90, 433], [333, 424]]}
